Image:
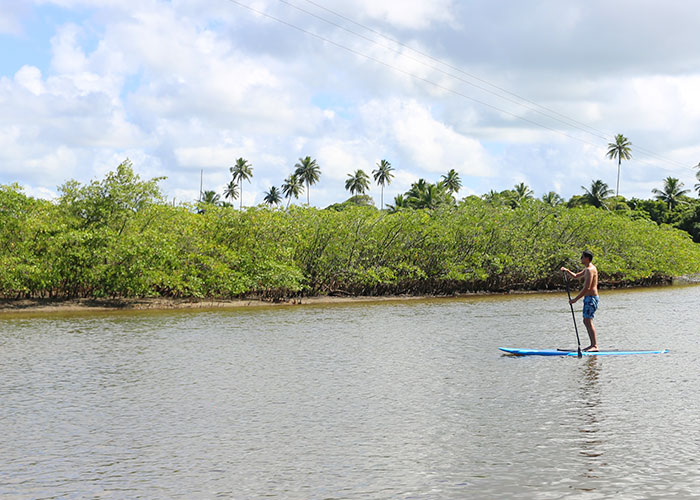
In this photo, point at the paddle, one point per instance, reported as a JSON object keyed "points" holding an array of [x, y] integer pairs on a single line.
{"points": [[568, 293]]}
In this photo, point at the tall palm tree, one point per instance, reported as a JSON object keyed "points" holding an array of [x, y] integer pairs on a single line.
{"points": [[231, 191], [382, 176], [273, 196], [309, 172], [452, 182], [357, 183], [242, 170], [671, 193], [598, 194], [697, 176], [292, 187], [620, 149], [552, 199]]}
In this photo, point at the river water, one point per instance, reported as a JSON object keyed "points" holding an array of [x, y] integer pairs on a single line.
{"points": [[367, 400]]}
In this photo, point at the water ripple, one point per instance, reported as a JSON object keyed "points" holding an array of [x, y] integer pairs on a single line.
{"points": [[387, 400]]}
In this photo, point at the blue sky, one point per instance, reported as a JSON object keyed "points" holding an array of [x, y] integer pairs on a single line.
{"points": [[27, 37], [185, 86]]}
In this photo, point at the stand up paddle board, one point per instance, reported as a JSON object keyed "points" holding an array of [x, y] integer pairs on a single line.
{"points": [[565, 352]]}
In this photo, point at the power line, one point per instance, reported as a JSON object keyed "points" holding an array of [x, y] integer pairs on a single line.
{"points": [[408, 73], [568, 123], [572, 121], [566, 120], [448, 65]]}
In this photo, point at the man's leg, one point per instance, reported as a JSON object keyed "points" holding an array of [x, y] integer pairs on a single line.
{"points": [[591, 334]]}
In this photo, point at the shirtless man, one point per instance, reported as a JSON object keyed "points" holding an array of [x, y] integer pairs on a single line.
{"points": [[590, 294]]}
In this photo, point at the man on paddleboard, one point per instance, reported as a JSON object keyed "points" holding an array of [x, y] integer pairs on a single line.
{"points": [[590, 294]]}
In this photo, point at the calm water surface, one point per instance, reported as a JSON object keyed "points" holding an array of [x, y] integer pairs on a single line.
{"points": [[387, 400]]}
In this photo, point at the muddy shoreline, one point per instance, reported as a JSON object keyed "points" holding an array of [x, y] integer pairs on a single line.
{"points": [[155, 304], [39, 305]]}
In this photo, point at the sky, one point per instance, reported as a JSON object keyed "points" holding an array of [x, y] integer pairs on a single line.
{"points": [[503, 92]]}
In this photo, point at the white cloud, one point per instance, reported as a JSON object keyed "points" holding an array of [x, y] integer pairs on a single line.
{"points": [[187, 85], [68, 57], [433, 145], [41, 192], [60, 160], [412, 14], [29, 77], [340, 158], [204, 156]]}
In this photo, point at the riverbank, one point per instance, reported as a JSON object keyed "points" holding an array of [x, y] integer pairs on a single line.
{"points": [[166, 251], [39, 305], [160, 303]]}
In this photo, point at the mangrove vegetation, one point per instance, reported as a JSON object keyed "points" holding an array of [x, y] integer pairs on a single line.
{"points": [[118, 237]]}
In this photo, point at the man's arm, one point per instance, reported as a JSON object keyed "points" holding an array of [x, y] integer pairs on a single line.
{"points": [[586, 285], [572, 274]]}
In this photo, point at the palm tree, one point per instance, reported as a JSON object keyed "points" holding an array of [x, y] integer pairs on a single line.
{"points": [[620, 149], [452, 182], [671, 193], [491, 196], [423, 194], [231, 191], [697, 176], [417, 188], [210, 198], [430, 197], [292, 187], [357, 183], [241, 170], [309, 172], [552, 199], [207, 198], [273, 196], [598, 194], [521, 193], [399, 203], [382, 176]]}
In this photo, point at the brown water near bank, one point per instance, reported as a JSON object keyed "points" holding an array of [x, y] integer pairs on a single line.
{"points": [[162, 303], [61, 305]]}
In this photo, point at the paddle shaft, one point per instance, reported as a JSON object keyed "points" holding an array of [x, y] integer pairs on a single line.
{"points": [[573, 316]]}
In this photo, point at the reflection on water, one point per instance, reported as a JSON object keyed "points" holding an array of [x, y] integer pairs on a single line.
{"points": [[592, 419], [385, 400]]}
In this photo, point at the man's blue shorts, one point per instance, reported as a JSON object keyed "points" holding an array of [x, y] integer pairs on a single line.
{"points": [[590, 306]]}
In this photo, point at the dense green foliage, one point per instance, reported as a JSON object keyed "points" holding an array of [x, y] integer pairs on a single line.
{"points": [[684, 215], [359, 200], [117, 238]]}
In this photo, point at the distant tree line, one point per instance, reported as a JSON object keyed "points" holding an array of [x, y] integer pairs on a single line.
{"points": [[670, 205]]}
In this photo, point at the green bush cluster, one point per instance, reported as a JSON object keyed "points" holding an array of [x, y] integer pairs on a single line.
{"points": [[117, 238]]}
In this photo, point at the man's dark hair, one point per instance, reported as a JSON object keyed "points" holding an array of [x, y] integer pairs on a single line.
{"points": [[588, 255]]}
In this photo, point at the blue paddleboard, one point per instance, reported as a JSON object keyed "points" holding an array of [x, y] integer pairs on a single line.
{"points": [[563, 352]]}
